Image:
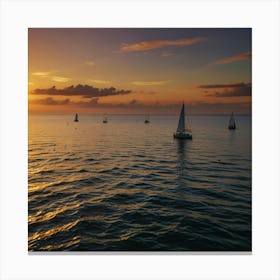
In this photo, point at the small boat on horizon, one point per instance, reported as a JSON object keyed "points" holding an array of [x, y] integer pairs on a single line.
{"points": [[232, 124], [105, 119], [147, 119], [76, 119], [182, 132]]}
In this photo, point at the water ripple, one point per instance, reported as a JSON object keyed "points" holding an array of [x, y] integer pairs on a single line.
{"points": [[125, 188]]}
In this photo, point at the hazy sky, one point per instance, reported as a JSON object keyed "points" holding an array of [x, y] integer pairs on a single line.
{"points": [[137, 70]]}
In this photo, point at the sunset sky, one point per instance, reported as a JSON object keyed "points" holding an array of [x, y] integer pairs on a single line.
{"points": [[128, 71]]}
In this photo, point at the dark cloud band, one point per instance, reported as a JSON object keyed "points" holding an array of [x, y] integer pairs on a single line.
{"points": [[236, 85], [229, 90], [134, 106], [51, 101], [84, 91]]}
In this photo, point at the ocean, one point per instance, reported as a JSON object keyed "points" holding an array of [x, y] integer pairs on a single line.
{"points": [[130, 186]]}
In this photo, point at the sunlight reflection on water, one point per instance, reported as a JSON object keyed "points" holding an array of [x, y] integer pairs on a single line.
{"points": [[126, 185]]}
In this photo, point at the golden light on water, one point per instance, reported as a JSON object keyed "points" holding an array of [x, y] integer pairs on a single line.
{"points": [[75, 241], [52, 231], [39, 217]]}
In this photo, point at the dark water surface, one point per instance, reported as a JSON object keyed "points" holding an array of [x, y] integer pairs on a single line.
{"points": [[126, 185]]}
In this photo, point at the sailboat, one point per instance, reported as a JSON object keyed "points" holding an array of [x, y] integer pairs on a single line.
{"points": [[147, 119], [182, 132], [105, 119], [231, 124], [76, 118]]}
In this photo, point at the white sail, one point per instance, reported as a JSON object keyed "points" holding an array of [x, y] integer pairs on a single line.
{"points": [[182, 132], [181, 124]]}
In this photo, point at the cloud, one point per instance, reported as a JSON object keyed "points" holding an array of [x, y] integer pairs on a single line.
{"points": [[136, 107], [235, 85], [149, 83], [233, 93], [90, 63], [90, 103], [99, 81], [53, 78], [41, 74], [150, 45], [167, 54], [240, 57], [202, 107], [50, 101], [85, 91], [145, 92], [60, 79], [134, 102], [229, 90]]}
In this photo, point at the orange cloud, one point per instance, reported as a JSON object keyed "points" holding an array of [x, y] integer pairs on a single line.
{"points": [[167, 54], [150, 83], [90, 63], [98, 81], [243, 56], [150, 45], [60, 79], [41, 74], [52, 78]]}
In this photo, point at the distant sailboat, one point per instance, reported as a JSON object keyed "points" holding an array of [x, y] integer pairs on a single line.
{"points": [[105, 119], [182, 132], [147, 119], [76, 118], [231, 124]]}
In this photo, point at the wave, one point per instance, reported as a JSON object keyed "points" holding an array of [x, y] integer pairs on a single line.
{"points": [[118, 191]]}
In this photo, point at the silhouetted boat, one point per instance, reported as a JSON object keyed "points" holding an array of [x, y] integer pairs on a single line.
{"points": [[76, 118], [231, 124], [182, 132], [105, 119], [147, 119]]}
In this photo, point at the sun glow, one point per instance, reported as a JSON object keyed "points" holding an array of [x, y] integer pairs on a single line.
{"points": [[136, 72]]}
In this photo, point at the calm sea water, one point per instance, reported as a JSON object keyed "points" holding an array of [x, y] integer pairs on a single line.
{"points": [[129, 186]]}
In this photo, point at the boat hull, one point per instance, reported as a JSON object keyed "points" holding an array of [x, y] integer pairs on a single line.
{"points": [[182, 136]]}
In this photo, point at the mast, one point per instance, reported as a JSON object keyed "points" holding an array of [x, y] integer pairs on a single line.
{"points": [[147, 119], [232, 122], [181, 124]]}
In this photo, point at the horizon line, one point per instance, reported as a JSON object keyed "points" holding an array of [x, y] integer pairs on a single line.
{"points": [[112, 114]]}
